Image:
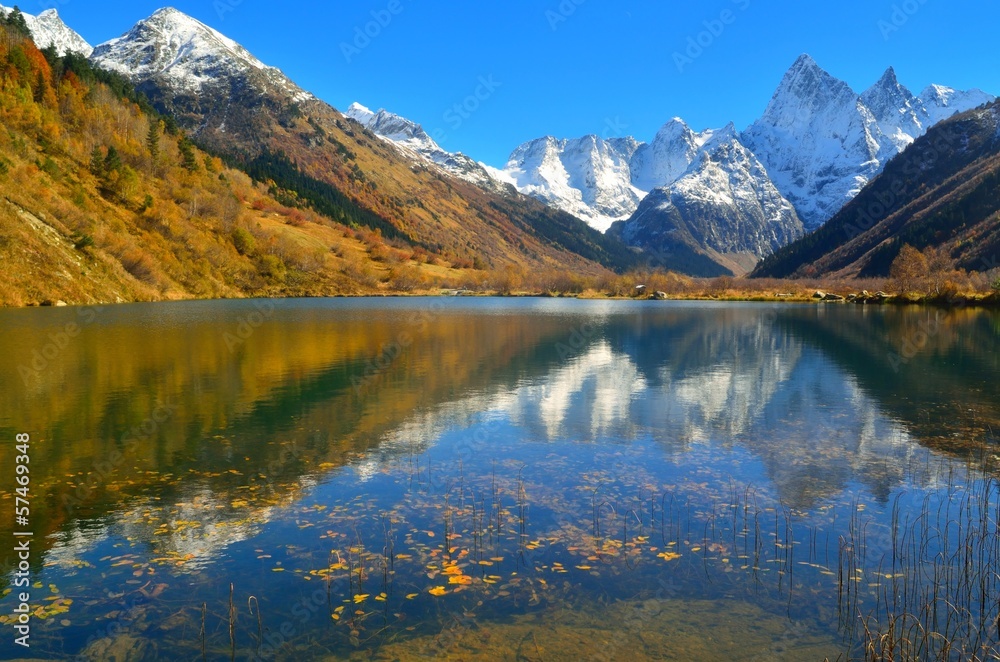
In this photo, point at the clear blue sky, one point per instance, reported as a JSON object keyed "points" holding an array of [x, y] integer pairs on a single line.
{"points": [[574, 67]]}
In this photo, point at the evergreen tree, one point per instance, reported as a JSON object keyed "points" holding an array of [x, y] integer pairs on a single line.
{"points": [[112, 162], [97, 162], [39, 92], [153, 139], [15, 20], [188, 160]]}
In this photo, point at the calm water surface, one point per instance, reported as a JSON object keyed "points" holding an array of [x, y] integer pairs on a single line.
{"points": [[496, 479]]}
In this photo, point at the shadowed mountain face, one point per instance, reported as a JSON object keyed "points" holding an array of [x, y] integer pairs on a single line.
{"points": [[941, 192]]}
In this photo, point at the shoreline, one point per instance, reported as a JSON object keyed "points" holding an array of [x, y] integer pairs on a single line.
{"points": [[942, 301]]}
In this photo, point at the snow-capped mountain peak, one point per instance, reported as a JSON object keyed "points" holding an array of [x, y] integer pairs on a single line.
{"points": [[47, 29], [901, 117], [589, 177], [806, 92], [720, 217], [184, 53], [942, 102], [359, 113], [818, 141]]}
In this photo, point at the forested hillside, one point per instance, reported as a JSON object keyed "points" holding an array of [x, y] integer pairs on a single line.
{"points": [[103, 200]]}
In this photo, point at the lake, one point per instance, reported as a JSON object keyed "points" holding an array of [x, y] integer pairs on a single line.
{"points": [[521, 479]]}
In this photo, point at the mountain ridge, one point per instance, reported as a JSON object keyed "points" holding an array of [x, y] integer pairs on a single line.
{"points": [[253, 114], [858, 144]]}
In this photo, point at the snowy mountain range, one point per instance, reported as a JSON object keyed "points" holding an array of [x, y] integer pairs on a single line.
{"points": [[818, 140], [821, 142], [816, 146], [47, 29], [724, 196]]}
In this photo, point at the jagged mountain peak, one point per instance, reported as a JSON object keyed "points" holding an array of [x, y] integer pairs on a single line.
{"points": [[176, 35], [942, 102], [359, 113], [805, 91], [888, 85], [900, 115], [888, 78], [187, 55], [674, 126], [720, 217], [47, 29]]}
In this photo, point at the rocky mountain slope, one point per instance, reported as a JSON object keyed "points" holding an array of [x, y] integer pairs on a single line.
{"points": [[412, 138], [720, 218], [237, 106], [943, 191]]}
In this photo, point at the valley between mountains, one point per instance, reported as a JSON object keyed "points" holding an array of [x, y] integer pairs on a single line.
{"points": [[171, 163]]}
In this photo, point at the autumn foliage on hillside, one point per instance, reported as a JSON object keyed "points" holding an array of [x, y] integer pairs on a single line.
{"points": [[101, 199]]}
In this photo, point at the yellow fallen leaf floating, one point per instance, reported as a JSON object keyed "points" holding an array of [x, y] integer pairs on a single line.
{"points": [[358, 599], [410, 596], [669, 556], [438, 590]]}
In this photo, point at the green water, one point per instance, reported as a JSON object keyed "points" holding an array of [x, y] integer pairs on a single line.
{"points": [[502, 479]]}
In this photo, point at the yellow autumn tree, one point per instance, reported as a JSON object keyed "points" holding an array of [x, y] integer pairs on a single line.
{"points": [[908, 270]]}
